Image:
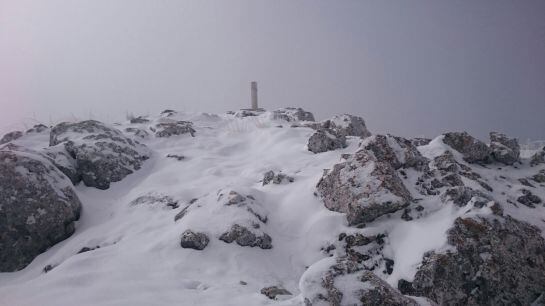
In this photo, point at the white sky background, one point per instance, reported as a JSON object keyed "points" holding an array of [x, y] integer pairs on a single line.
{"points": [[412, 68]]}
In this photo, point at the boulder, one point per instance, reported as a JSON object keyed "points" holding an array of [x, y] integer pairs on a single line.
{"points": [[276, 178], [325, 140], [529, 199], [504, 149], [154, 198], [101, 154], [274, 291], [244, 237], [397, 151], [38, 128], [11, 136], [538, 158], [472, 149], [497, 262], [364, 188], [345, 283], [347, 125], [291, 114], [38, 206], [194, 240], [168, 129]]}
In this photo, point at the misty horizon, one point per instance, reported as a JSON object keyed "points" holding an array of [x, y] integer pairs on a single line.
{"points": [[417, 69]]}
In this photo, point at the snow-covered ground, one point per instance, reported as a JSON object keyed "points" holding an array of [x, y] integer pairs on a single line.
{"points": [[140, 261]]}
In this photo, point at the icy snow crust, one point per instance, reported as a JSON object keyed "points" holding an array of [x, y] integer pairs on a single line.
{"points": [[140, 262]]}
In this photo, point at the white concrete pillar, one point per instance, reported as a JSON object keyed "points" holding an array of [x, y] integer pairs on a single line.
{"points": [[254, 95]]}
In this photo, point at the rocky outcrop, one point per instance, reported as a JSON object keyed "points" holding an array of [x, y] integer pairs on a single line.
{"points": [[292, 114], [504, 149], [346, 125], [194, 240], [168, 129], [11, 136], [529, 199], [38, 128], [367, 186], [419, 141], [345, 283], [325, 140], [154, 198], [276, 178], [274, 291], [472, 149], [538, 158], [496, 262], [38, 206], [244, 237], [101, 154], [139, 120]]}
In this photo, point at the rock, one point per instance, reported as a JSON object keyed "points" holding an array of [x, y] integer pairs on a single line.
{"points": [[538, 158], [291, 114], [154, 198], [363, 188], [529, 199], [280, 178], [473, 150], [168, 129], [193, 240], [176, 157], [137, 132], [88, 249], [274, 291], [496, 262], [345, 283], [526, 182], [64, 162], [347, 125], [325, 140], [539, 177], [504, 150], [101, 154], [462, 195], [446, 163], [38, 128], [139, 120], [397, 151], [38, 206], [417, 142], [11, 136], [244, 237], [168, 113]]}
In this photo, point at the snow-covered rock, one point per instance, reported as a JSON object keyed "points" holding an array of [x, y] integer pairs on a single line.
{"points": [[325, 140], [38, 206], [291, 114], [472, 149], [192, 240], [100, 154], [346, 125], [496, 262], [504, 149], [168, 129], [11, 136], [276, 178]]}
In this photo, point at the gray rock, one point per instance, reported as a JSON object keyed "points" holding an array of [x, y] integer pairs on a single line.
{"points": [[397, 151], [363, 288], [168, 129], [244, 237], [38, 128], [137, 132], [529, 199], [193, 240], [347, 125], [139, 120], [325, 140], [539, 177], [154, 198], [461, 195], [538, 158], [38, 206], [291, 114], [363, 188], [504, 149], [177, 157], [417, 141], [274, 291], [496, 262], [280, 178], [11, 136], [473, 150], [101, 154]]}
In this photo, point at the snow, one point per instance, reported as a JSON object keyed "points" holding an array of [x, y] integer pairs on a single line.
{"points": [[140, 261]]}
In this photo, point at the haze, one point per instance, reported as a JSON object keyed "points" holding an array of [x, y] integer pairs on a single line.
{"points": [[411, 68]]}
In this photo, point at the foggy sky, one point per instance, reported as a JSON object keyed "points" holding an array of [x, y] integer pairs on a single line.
{"points": [[411, 68]]}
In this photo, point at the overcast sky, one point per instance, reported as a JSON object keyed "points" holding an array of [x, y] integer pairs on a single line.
{"points": [[411, 68]]}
